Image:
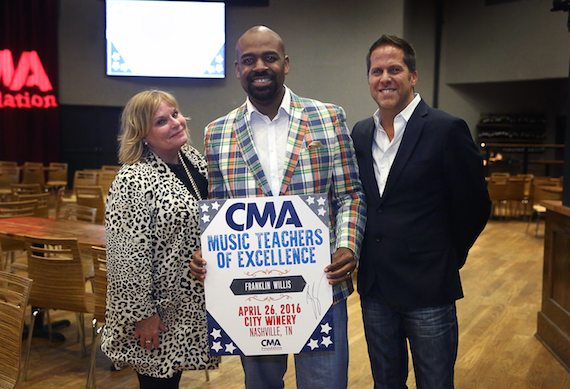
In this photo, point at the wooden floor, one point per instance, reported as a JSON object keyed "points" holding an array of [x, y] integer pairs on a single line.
{"points": [[497, 321]]}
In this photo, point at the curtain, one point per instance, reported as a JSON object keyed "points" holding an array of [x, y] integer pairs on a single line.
{"points": [[29, 114]]}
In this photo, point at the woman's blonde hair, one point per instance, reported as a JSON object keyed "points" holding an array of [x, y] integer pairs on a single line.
{"points": [[136, 121]]}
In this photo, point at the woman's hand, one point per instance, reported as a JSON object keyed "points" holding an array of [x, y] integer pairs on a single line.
{"points": [[148, 331], [197, 266]]}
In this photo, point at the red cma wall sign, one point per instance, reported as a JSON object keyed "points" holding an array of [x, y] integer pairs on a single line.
{"points": [[29, 73]]}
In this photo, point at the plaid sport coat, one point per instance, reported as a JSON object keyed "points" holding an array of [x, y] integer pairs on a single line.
{"points": [[319, 159]]}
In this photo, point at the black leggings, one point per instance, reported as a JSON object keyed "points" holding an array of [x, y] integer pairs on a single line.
{"points": [[147, 382]]}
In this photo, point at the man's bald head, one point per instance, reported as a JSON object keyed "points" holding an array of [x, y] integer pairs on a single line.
{"points": [[259, 33]]}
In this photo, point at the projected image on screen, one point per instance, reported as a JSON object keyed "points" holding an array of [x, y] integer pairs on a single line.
{"points": [[165, 38]]}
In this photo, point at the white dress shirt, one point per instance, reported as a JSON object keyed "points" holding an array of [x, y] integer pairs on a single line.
{"points": [[383, 150], [270, 138]]}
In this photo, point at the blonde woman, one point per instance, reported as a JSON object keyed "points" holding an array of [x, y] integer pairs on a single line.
{"points": [[156, 318]]}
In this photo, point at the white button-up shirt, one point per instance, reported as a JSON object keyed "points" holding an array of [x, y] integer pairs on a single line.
{"points": [[383, 150], [270, 138]]}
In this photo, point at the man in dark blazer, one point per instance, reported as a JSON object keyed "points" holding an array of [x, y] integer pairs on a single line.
{"points": [[427, 204]]}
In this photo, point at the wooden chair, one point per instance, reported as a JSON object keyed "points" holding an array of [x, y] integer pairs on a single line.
{"points": [[18, 208], [8, 164], [114, 168], [8, 248], [57, 175], [69, 211], [18, 189], [525, 210], [99, 255], [540, 192], [42, 207], [106, 178], [496, 175], [92, 196], [545, 180], [75, 212], [14, 294], [61, 199], [55, 266], [556, 180], [528, 181], [34, 174], [506, 197], [33, 164], [8, 176], [84, 178]]}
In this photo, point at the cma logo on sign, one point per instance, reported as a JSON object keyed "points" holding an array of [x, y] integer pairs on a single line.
{"points": [[29, 73], [287, 215], [271, 343]]}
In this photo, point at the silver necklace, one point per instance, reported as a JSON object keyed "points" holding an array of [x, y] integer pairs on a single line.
{"points": [[194, 186]]}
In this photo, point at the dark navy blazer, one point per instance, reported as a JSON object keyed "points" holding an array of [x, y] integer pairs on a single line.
{"points": [[435, 205]]}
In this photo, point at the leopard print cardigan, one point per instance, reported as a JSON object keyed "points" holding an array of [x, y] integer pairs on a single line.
{"points": [[152, 229]]}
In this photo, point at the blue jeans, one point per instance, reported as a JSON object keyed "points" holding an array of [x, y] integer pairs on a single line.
{"points": [[323, 369], [432, 333]]}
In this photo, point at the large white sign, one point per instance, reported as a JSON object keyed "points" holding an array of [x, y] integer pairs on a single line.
{"points": [[266, 291]]}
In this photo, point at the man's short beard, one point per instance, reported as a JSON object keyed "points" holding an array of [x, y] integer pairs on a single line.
{"points": [[265, 94]]}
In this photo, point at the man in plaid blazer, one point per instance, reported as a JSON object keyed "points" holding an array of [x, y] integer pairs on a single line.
{"points": [[278, 143]]}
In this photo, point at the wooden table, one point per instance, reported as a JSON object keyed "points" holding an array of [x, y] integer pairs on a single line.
{"points": [[87, 234], [553, 328]]}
